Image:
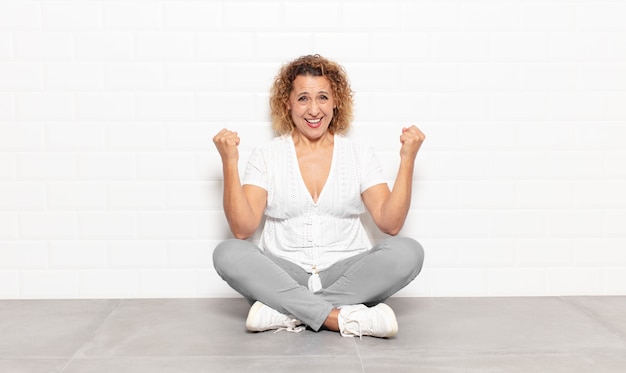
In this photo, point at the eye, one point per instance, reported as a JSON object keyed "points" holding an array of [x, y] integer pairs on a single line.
{"points": [[323, 97], [302, 98]]}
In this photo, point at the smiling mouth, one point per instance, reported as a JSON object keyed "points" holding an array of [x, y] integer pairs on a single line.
{"points": [[314, 122]]}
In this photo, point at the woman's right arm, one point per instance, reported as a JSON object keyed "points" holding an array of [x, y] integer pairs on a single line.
{"points": [[243, 205]]}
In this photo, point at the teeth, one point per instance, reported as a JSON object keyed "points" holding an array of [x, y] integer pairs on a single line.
{"points": [[313, 120]]}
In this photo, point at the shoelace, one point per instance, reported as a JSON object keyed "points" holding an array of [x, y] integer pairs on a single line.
{"points": [[291, 327], [350, 323], [360, 334]]}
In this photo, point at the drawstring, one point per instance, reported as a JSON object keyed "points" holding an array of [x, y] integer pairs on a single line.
{"points": [[315, 284]]}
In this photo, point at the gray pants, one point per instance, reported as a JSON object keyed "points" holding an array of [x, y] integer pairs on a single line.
{"points": [[368, 278]]}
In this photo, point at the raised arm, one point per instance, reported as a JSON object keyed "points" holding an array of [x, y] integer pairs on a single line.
{"points": [[243, 205], [390, 208]]}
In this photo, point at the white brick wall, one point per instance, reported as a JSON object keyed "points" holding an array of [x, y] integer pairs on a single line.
{"points": [[110, 185]]}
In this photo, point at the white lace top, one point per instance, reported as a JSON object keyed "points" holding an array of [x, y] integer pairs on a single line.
{"points": [[313, 235]]}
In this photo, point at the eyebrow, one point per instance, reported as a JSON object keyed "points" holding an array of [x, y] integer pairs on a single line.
{"points": [[307, 92]]}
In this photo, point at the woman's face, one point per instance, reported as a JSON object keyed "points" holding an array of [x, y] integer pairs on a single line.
{"points": [[311, 104]]}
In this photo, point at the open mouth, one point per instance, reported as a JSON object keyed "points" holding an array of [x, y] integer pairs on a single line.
{"points": [[314, 123]]}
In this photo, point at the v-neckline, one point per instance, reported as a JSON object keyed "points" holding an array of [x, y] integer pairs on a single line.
{"points": [[330, 170]]}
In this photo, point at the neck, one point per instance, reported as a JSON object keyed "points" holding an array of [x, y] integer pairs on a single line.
{"points": [[304, 142]]}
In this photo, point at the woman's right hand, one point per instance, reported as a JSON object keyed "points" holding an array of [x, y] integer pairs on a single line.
{"points": [[226, 142]]}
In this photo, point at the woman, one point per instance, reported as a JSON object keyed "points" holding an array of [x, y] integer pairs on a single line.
{"points": [[314, 264]]}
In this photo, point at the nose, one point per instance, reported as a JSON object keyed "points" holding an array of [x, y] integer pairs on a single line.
{"points": [[314, 108]]}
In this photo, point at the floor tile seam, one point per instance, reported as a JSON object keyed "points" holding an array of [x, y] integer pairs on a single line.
{"points": [[358, 353], [512, 354], [91, 335], [36, 357], [555, 352], [201, 356], [597, 318], [620, 351], [207, 357]]}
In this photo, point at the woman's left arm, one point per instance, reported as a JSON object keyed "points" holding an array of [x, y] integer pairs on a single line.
{"points": [[389, 208]]}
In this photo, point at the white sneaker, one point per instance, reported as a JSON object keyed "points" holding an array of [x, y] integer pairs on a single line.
{"points": [[359, 320], [262, 318]]}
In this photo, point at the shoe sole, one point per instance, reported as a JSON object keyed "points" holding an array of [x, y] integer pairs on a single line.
{"points": [[390, 315]]}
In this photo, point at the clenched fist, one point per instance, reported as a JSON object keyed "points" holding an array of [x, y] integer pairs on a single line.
{"points": [[226, 142], [411, 139]]}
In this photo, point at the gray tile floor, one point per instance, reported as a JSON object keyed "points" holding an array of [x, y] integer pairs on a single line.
{"points": [[545, 334]]}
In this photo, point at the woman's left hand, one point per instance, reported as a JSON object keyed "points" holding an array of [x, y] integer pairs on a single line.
{"points": [[411, 139]]}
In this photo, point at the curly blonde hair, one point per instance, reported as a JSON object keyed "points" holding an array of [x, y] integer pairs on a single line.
{"points": [[314, 65]]}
